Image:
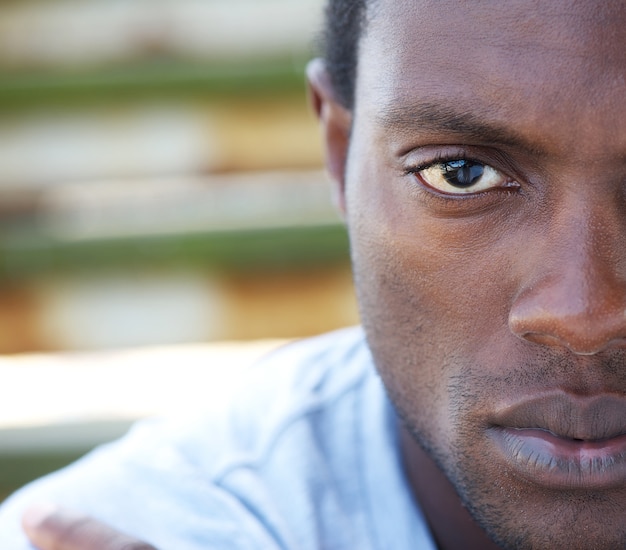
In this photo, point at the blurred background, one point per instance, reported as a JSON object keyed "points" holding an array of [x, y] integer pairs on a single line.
{"points": [[163, 210]]}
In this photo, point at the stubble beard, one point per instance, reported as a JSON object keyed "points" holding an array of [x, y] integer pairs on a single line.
{"points": [[515, 515], [409, 339]]}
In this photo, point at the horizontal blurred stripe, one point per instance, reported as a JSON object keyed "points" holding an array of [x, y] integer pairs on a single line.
{"points": [[73, 32]]}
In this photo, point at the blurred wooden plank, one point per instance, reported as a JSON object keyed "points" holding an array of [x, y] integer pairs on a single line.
{"points": [[270, 249], [78, 32], [156, 79]]}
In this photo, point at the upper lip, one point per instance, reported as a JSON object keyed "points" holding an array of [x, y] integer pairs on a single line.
{"points": [[588, 418]]}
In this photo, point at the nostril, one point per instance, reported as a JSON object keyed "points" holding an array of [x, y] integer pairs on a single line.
{"points": [[577, 344]]}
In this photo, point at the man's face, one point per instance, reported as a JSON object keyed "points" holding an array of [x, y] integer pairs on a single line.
{"points": [[486, 203]]}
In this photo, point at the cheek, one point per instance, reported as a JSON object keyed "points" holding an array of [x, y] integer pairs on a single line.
{"points": [[420, 275], [434, 293]]}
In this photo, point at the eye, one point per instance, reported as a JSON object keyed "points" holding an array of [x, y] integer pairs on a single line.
{"points": [[460, 176]]}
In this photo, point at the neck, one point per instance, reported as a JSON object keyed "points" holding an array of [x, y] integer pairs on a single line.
{"points": [[450, 523]]}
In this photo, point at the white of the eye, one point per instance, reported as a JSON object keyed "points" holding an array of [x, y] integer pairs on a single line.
{"points": [[489, 179]]}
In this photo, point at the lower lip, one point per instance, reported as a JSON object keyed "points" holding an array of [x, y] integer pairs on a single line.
{"points": [[560, 463]]}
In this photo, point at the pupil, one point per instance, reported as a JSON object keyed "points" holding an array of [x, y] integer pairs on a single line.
{"points": [[462, 173]]}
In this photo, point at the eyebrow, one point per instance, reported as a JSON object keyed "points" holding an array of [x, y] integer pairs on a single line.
{"points": [[427, 117]]}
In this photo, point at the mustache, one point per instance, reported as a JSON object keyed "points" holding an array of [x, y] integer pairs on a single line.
{"points": [[549, 367], [545, 372]]}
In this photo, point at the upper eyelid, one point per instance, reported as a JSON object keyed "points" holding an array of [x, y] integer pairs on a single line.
{"points": [[493, 159], [430, 155], [425, 165]]}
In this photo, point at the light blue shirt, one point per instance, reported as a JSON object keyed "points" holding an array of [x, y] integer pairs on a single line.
{"points": [[305, 456]]}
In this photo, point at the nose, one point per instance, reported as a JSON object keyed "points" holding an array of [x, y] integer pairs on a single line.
{"points": [[576, 292]]}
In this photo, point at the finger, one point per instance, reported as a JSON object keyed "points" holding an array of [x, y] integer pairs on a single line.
{"points": [[50, 527]]}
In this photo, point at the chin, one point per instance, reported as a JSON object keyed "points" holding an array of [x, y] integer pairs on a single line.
{"points": [[531, 520]]}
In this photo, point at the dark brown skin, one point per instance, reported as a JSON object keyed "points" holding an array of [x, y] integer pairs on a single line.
{"points": [[513, 291]]}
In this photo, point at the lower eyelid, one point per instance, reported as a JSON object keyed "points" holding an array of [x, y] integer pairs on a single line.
{"points": [[466, 205], [510, 186]]}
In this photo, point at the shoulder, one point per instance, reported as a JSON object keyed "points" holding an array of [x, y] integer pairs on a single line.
{"points": [[302, 391], [306, 376], [223, 474]]}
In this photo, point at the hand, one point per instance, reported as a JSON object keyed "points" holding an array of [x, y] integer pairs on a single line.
{"points": [[52, 528]]}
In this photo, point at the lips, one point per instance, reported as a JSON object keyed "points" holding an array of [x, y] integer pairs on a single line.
{"points": [[564, 441]]}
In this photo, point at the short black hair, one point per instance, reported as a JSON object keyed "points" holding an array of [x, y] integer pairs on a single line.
{"points": [[345, 20]]}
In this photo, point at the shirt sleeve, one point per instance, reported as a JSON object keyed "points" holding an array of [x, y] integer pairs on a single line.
{"points": [[145, 487]]}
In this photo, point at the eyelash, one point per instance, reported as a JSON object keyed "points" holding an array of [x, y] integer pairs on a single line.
{"points": [[440, 158]]}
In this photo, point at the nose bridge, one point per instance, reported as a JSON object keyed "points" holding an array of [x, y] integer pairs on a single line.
{"points": [[575, 296]]}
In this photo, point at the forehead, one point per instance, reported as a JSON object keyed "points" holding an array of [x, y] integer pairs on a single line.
{"points": [[526, 61]]}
